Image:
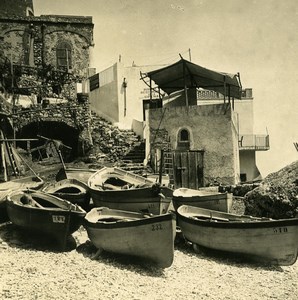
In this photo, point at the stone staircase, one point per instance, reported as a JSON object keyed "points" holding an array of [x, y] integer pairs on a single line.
{"points": [[136, 154], [133, 160]]}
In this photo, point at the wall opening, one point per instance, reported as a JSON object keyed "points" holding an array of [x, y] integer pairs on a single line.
{"points": [[183, 140], [243, 177], [63, 53], [68, 135]]}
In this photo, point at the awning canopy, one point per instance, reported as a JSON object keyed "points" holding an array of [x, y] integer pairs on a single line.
{"points": [[184, 74]]}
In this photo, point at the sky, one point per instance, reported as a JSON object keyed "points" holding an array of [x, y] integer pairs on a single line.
{"points": [[257, 38]]}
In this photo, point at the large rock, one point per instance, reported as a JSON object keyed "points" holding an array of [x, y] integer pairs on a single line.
{"points": [[277, 195]]}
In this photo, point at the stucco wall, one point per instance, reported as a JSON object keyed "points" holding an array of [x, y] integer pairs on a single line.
{"points": [[248, 165], [244, 108], [104, 100], [211, 129], [134, 105]]}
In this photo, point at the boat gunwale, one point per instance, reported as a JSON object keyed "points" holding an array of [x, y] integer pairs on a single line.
{"points": [[131, 223], [200, 194], [72, 207], [104, 170], [196, 199], [22, 182], [133, 201]]}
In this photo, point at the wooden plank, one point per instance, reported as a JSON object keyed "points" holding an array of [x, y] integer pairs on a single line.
{"points": [[17, 140], [192, 170], [177, 170], [3, 162], [184, 169]]}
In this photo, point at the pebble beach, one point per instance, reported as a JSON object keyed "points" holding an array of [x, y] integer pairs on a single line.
{"points": [[31, 268]]}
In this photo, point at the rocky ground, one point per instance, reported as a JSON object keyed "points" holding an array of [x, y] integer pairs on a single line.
{"points": [[32, 268]]}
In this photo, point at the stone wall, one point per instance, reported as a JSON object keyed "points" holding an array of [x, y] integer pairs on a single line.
{"points": [[33, 40], [15, 7], [72, 114]]}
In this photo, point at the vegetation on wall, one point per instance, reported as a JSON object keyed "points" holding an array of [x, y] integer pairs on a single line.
{"points": [[44, 81]]}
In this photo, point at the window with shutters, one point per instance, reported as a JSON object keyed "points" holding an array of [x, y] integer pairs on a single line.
{"points": [[63, 53]]}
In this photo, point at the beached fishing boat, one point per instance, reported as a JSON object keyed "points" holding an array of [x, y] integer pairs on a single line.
{"points": [[73, 190], [134, 234], [119, 189], [202, 198], [260, 239], [28, 182], [81, 174], [44, 213]]}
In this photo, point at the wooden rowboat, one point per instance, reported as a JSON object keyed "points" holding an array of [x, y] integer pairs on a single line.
{"points": [[81, 174], [28, 182], [134, 234], [119, 189], [73, 190], [45, 213], [202, 198], [259, 239]]}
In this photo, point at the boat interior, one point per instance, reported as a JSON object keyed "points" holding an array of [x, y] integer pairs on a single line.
{"points": [[42, 201]]}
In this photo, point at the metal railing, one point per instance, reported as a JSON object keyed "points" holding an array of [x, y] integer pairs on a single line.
{"points": [[254, 142]]}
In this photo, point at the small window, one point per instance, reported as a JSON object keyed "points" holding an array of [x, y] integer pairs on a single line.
{"points": [[183, 140], [63, 53], [243, 177], [184, 135]]}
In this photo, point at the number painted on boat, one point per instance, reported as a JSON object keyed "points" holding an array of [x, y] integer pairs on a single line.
{"points": [[280, 230], [156, 227], [151, 205], [58, 219]]}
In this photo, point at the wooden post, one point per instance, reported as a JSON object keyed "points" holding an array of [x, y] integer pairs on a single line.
{"points": [[185, 86], [189, 53], [160, 166], [3, 161]]}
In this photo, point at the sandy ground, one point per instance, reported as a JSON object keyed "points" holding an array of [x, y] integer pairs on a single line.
{"points": [[31, 268]]}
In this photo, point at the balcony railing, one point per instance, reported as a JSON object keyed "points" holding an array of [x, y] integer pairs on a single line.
{"points": [[254, 142], [211, 95]]}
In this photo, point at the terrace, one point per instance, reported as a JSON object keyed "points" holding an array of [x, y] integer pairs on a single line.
{"points": [[254, 142]]}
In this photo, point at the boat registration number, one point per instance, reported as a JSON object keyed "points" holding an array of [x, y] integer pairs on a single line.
{"points": [[280, 230], [58, 219], [156, 227]]}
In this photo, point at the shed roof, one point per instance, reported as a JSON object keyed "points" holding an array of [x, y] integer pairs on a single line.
{"points": [[187, 74]]}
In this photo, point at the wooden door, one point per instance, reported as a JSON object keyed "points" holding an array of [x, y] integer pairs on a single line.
{"points": [[188, 169]]}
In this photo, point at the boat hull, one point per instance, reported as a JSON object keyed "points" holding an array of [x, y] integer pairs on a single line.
{"points": [[266, 241], [59, 221], [151, 198], [28, 182], [150, 238], [72, 190], [137, 200], [81, 174], [204, 199]]}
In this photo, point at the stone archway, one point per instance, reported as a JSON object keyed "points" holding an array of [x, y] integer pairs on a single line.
{"points": [[57, 130]]}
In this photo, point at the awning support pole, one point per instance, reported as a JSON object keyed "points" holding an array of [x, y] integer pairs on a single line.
{"points": [[185, 87]]}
